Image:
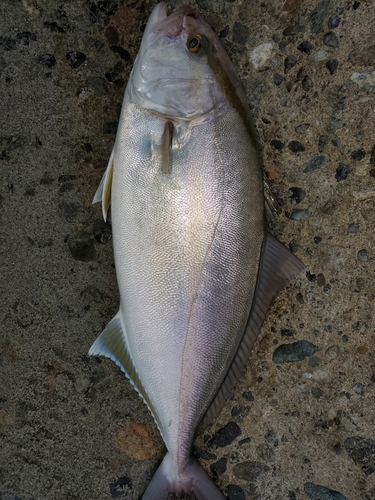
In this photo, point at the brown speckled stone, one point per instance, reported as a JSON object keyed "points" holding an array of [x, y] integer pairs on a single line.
{"points": [[135, 442]]}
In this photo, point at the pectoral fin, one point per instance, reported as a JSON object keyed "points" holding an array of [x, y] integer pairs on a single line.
{"points": [[165, 149], [103, 193], [111, 343], [278, 268]]}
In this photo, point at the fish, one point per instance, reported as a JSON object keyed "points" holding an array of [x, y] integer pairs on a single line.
{"points": [[197, 269]]}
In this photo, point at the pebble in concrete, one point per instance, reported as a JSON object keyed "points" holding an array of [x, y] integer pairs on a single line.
{"points": [[334, 21], [354, 227], [239, 413], [321, 55], [332, 65], [361, 450], [330, 39], [261, 56], [225, 436], [307, 83], [249, 470], [47, 60], [289, 62], [121, 487], [342, 172], [218, 468], [302, 128], [75, 59], [294, 30], [314, 164], [298, 214], [297, 194], [318, 16], [234, 492], [277, 144], [364, 80], [362, 255], [297, 351], [358, 154], [296, 146], [248, 395], [305, 47], [316, 492]]}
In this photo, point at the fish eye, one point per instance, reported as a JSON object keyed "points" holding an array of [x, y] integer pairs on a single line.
{"points": [[194, 42]]}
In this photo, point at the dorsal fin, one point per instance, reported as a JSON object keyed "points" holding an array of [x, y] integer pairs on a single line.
{"points": [[278, 268], [103, 193], [271, 204], [112, 344]]}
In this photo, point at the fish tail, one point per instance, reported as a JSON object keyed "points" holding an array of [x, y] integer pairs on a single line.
{"points": [[194, 480]]}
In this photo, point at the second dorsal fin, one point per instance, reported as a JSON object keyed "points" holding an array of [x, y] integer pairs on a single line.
{"points": [[278, 268]]}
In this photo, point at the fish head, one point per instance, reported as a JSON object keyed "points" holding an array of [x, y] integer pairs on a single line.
{"points": [[175, 72]]}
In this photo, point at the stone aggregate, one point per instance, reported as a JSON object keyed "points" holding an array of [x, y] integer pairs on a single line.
{"points": [[301, 423]]}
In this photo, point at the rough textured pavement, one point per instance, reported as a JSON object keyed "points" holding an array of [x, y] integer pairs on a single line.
{"points": [[301, 424]]}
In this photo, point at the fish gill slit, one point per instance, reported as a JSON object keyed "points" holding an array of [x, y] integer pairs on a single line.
{"points": [[229, 90]]}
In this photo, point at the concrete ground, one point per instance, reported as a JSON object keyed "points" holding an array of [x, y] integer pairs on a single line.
{"points": [[301, 423]]}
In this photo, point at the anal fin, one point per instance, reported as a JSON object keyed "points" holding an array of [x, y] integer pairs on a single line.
{"points": [[111, 343], [278, 268]]}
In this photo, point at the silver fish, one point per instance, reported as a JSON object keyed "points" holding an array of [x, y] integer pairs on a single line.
{"points": [[196, 268]]}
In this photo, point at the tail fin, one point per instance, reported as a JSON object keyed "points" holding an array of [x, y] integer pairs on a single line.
{"points": [[194, 480]]}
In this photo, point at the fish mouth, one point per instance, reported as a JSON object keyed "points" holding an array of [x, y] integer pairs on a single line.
{"points": [[157, 16], [179, 21]]}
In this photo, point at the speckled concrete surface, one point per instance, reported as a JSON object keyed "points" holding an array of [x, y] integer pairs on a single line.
{"points": [[301, 424]]}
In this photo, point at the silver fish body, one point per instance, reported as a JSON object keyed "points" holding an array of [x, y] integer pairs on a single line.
{"points": [[193, 259]]}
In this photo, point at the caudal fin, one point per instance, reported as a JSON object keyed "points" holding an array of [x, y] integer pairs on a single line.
{"points": [[194, 480]]}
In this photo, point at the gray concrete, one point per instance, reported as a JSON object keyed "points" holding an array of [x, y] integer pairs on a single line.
{"points": [[308, 408]]}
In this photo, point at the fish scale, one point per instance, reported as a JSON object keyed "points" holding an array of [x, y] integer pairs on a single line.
{"points": [[183, 251]]}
